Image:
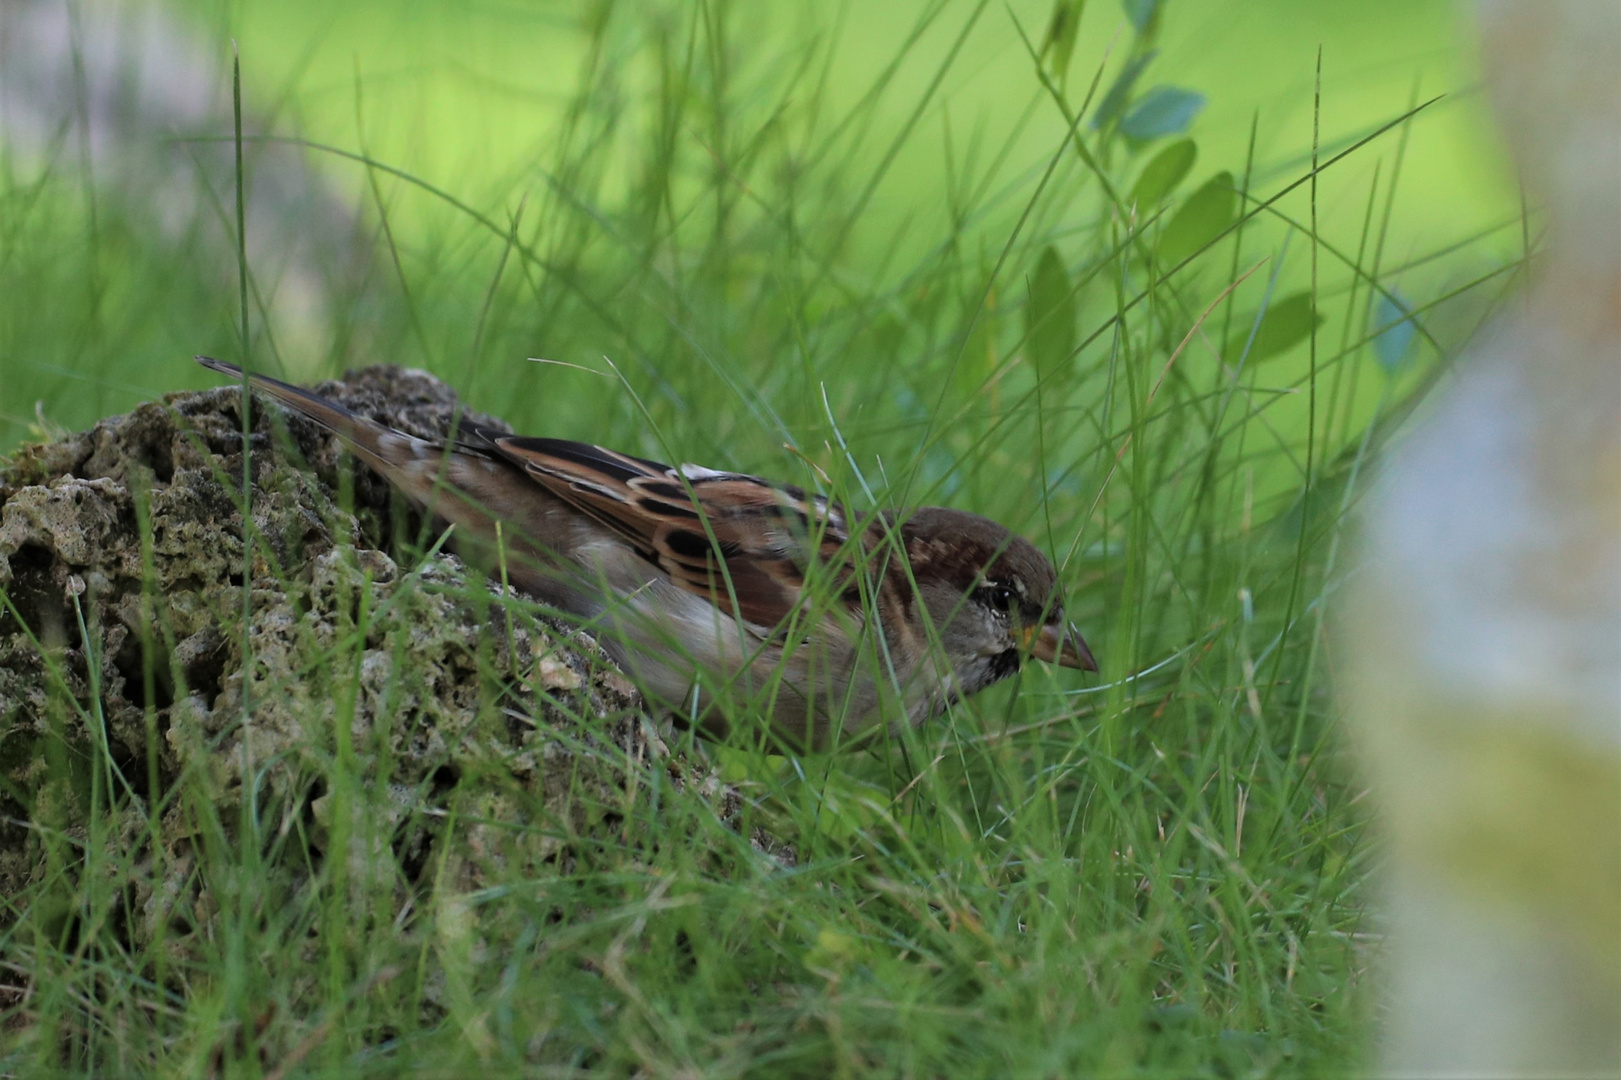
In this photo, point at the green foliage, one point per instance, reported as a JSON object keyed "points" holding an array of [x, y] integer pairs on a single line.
{"points": [[1163, 110], [1062, 27], [1144, 14], [1394, 330], [1119, 93], [1164, 171], [1050, 313], [1284, 324], [1201, 218]]}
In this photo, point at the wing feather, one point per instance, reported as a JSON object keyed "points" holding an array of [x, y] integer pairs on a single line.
{"points": [[763, 533]]}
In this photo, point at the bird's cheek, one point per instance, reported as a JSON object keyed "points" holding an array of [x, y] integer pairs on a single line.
{"points": [[999, 640]]}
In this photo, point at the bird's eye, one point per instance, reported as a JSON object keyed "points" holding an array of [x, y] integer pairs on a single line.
{"points": [[999, 597]]}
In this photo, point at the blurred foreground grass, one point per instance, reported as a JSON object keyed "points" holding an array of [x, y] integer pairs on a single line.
{"points": [[866, 256]]}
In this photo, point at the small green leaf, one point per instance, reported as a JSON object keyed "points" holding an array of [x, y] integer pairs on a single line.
{"points": [[1287, 323], [1164, 110], [1202, 218], [1394, 330], [978, 360], [1060, 40], [1141, 13], [1120, 92], [1160, 176], [1050, 315]]}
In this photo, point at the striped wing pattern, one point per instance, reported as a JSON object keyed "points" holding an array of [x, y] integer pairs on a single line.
{"points": [[762, 532]]}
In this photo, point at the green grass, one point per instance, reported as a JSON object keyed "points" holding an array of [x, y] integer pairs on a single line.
{"points": [[1159, 871]]}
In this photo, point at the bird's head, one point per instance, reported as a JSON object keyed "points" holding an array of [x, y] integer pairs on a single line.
{"points": [[991, 595]]}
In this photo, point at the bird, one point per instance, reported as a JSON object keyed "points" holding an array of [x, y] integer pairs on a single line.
{"points": [[710, 587]]}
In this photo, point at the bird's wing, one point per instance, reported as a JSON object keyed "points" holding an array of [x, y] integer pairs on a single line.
{"points": [[722, 536]]}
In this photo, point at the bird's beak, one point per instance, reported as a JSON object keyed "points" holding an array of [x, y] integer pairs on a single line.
{"points": [[1062, 644]]}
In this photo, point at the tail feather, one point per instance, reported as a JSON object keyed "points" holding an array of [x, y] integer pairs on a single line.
{"points": [[372, 442]]}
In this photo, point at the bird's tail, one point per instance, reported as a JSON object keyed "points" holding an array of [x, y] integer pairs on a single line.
{"points": [[374, 443]]}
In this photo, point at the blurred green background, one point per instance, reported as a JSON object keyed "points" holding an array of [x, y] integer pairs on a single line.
{"points": [[478, 100], [471, 96]]}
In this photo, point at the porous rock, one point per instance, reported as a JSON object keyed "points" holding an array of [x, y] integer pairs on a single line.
{"points": [[374, 677]]}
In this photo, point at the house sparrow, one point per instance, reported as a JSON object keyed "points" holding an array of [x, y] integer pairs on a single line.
{"points": [[697, 580]]}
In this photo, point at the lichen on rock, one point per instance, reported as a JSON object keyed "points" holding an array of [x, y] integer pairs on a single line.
{"points": [[376, 689]]}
